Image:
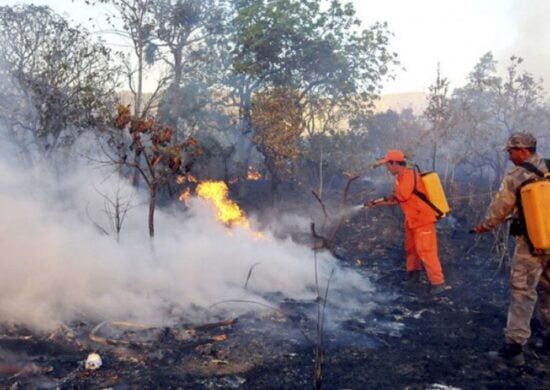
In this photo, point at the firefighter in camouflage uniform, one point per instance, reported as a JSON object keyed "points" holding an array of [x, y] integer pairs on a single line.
{"points": [[530, 275]]}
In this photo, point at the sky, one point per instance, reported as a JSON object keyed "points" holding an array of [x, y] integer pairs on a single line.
{"points": [[456, 33], [453, 33]]}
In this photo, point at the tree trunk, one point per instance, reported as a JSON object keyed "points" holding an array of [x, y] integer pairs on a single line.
{"points": [[275, 183], [175, 96], [499, 174], [244, 149], [139, 92], [434, 155], [321, 173], [152, 204], [136, 174]]}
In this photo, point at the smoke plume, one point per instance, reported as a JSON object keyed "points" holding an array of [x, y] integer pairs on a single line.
{"points": [[58, 265], [531, 38]]}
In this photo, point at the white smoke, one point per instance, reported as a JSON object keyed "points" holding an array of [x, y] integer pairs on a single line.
{"points": [[58, 266], [531, 38]]}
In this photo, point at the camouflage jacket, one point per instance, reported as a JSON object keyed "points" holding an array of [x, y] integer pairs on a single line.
{"points": [[505, 202]]}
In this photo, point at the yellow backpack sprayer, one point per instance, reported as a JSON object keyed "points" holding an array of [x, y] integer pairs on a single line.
{"points": [[534, 210], [435, 195]]}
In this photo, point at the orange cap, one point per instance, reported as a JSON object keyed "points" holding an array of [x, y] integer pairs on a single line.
{"points": [[392, 155]]}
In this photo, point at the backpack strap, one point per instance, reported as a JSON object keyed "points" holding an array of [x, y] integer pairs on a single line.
{"points": [[423, 196], [519, 226], [533, 169]]}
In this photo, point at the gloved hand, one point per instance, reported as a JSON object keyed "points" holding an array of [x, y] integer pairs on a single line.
{"points": [[390, 198], [480, 228], [375, 202]]}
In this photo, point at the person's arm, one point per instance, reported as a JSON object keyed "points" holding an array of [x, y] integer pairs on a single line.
{"points": [[388, 200], [501, 207]]}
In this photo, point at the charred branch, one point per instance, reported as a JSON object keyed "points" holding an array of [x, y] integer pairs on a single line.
{"points": [[250, 274], [322, 205], [214, 325], [326, 241], [190, 337]]}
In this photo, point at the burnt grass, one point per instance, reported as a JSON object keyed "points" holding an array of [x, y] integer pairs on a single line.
{"points": [[440, 342]]}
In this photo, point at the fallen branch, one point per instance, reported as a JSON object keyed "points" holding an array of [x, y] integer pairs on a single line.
{"points": [[25, 369], [122, 324], [68, 334], [245, 301], [213, 325], [192, 332]]}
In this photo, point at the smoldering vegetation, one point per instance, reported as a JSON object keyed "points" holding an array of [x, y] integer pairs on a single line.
{"points": [[59, 266]]}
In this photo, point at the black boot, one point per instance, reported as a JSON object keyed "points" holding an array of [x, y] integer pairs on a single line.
{"points": [[436, 289], [413, 278], [545, 349], [512, 354]]}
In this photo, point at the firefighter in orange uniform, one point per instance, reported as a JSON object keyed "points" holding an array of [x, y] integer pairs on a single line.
{"points": [[420, 234]]}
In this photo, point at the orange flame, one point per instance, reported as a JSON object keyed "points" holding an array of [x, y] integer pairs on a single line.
{"points": [[186, 178], [185, 195], [253, 174], [228, 211]]}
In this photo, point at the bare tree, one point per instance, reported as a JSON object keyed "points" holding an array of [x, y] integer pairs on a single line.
{"points": [[116, 207], [491, 107], [138, 24], [55, 78], [438, 114]]}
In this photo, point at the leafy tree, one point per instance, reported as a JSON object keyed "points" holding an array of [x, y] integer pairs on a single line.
{"points": [[180, 35], [381, 129], [321, 117], [138, 23], [164, 160], [55, 78], [277, 118], [315, 47]]}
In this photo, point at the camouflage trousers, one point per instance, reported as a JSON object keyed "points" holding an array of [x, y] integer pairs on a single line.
{"points": [[529, 279]]}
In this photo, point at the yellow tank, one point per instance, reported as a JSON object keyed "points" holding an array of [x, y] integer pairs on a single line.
{"points": [[435, 192], [537, 214]]}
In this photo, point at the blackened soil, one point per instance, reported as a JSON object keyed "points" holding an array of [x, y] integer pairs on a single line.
{"points": [[443, 342], [448, 339]]}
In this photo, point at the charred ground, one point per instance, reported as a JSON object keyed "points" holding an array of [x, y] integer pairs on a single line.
{"points": [[412, 341]]}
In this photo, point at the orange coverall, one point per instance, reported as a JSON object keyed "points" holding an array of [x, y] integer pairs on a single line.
{"points": [[420, 235]]}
